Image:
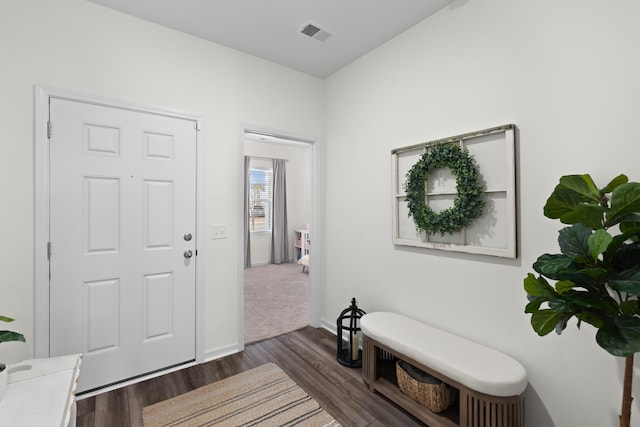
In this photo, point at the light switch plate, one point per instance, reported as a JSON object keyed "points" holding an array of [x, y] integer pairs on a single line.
{"points": [[219, 231]]}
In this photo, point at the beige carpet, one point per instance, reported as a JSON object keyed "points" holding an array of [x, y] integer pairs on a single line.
{"points": [[263, 396], [276, 300]]}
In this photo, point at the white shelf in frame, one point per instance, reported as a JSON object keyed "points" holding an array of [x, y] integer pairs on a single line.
{"points": [[494, 232]]}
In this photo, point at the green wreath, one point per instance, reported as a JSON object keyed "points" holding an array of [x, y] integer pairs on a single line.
{"points": [[469, 202]]}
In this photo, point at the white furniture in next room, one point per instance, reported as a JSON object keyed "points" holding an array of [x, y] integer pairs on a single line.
{"points": [[302, 243]]}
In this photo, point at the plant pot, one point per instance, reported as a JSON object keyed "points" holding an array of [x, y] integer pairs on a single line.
{"points": [[4, 376]]}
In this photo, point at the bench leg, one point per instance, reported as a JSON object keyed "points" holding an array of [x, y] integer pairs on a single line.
{"points": [[481, 410], [369, 362]]}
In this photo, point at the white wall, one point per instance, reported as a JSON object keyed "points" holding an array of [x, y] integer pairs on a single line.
{"points": [[298, 170], [566, 73], [78, 45]]}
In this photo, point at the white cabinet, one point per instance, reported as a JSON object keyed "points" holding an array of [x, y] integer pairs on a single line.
{"points": [[302, 243], [41, 392]]}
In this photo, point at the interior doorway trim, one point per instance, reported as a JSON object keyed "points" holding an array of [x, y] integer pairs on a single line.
{"points": [[315, 226], [42, 96]]}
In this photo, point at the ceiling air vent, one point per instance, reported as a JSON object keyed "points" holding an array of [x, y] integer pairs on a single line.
{"points": [[315, 31]]}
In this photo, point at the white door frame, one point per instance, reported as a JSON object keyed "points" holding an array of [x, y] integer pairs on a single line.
{"points": [[42, 96], [315, 226]]}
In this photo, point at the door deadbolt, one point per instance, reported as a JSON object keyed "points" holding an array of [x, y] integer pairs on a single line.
{"points": [[188, 254], [187, 237]]}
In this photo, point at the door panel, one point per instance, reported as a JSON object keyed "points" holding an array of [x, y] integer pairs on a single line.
{"points": [[122, 197], [101, 206], [101, 315], [158, 214]]}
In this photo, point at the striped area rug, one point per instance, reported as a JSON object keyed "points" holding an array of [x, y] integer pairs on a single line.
{"points": [[263, 396]]}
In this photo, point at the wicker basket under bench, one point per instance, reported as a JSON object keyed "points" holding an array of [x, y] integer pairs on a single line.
{"points": [[490, 384]]}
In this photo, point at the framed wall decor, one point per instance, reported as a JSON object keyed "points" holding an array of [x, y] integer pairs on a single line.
{"points": [[489, 232]]}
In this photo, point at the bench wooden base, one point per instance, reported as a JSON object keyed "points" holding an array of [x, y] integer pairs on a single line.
{"points": [[472, 409]]}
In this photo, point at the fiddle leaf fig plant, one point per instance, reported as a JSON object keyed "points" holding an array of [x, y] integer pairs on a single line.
{"points": [[6, 336], [596, 276]]}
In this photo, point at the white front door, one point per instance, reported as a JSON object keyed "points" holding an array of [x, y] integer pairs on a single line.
{"points": [[122, 233]]}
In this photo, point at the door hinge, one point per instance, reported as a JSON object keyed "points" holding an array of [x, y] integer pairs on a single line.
{"points": [[49, 251], [49, 129]]}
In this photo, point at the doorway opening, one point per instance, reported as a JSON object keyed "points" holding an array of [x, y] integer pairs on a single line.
{"points": [[278, 297]]}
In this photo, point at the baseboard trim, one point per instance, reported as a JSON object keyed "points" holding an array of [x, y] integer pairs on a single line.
{"points": [[220, 352], [329, 326]]}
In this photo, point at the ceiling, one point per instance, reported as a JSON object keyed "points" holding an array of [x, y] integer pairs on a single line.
{"points": [[270, 29]]}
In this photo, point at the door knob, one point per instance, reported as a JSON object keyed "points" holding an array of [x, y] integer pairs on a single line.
{"points": [[188, 254]]}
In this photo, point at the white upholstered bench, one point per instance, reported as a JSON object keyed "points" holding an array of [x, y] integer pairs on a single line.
{"points": [[491, 384]]}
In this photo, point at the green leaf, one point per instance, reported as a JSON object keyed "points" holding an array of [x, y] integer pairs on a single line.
{"points": [[620, 336], [598, 243], [596, 273], [572, 190], [552, 266], [630, 224], [591, 300], [6, 336], [561, 202], [534, 305], [627, 281], [590, 318], [618, 242], [538, 287], [629, 308], [580, 280], [625, 200], [615, 182], [587, 214], [544, 321], [564, 286], [6, 319], [574, 242], [625, 257], [582, 185], [569, 200], [561, 305]]}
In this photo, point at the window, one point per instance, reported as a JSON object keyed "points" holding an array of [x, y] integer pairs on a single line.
{"points": [[494, 233], [260, 199]]}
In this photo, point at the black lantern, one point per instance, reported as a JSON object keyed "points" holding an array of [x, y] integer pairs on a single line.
{"points": [[349, 336]]}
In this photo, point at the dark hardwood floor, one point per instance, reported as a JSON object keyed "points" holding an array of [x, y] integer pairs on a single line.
{"points": [[307, 356]]}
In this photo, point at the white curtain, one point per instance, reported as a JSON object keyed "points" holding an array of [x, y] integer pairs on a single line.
{"points": [[279, 233]]}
